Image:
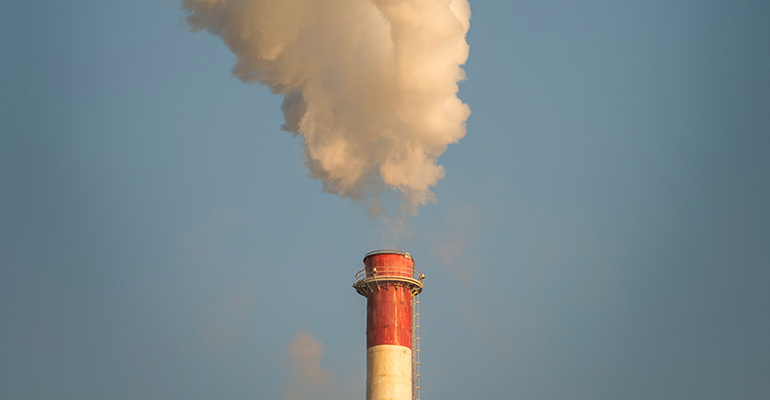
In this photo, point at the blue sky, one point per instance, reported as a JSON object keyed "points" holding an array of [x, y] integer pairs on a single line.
{"points": [[601, 233]]}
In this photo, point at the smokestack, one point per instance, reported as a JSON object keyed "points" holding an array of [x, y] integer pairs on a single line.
{"points": [[391, 286]]}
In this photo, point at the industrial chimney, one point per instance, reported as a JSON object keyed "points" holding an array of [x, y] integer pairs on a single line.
{"points": [[391, 286]]}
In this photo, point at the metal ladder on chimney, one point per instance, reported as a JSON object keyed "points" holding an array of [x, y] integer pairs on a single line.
{"points": [[416, 347]]}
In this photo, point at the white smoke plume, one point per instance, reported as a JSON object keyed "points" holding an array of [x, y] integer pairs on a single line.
{"points": [[370, 85]]}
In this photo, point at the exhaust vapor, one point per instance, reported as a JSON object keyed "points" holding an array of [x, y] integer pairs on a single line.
{"points": [[307, 378], [369, 85]]}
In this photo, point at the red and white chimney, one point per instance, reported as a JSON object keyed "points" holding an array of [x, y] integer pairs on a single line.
{"points": [[391, 286]]}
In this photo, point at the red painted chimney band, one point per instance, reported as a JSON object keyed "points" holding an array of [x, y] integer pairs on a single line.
{"points": [[389, 316]]}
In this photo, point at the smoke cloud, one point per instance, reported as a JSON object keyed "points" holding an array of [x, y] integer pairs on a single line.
{"points": [[369, 85], [308, 379]]}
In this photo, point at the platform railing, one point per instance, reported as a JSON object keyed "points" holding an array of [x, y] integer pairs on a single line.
{"points": [[366, 281]]}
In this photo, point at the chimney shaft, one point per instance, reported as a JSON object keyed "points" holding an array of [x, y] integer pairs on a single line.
{"points": [[389, 281]]}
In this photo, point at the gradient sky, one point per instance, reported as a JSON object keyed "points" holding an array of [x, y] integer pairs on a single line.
{"points": [[603, 231]]}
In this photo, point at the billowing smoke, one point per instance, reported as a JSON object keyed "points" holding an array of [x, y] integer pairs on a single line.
{"points": [[370, 85]]}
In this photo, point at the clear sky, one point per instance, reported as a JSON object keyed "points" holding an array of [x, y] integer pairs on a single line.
{"points": [[602, 231]]}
